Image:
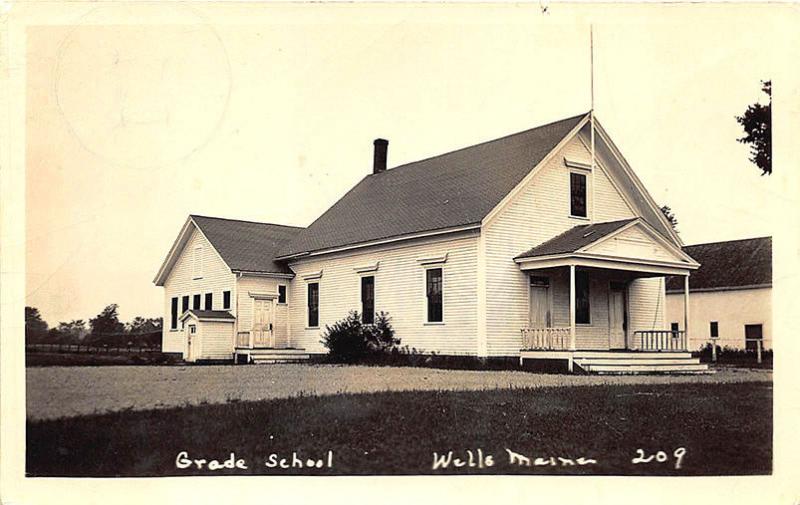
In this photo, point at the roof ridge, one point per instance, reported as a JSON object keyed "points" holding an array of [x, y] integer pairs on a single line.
{"points": [[245, 221], [510, 135], [730, 241]]}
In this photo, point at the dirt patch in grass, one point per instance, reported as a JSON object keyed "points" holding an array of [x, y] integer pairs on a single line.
{"points": [[398, 433]]}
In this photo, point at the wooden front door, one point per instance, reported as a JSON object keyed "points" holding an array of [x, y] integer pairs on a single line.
{"points": [[263, 333], [539, 310], [191, 342], [616, 317]]}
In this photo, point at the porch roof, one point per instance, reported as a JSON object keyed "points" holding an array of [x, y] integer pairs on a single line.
{"points": [[575, 238], [208, 315], [628, 244]]}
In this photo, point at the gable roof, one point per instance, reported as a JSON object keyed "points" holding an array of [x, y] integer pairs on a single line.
{"points": [[728, 265], [575, 238], [247, 246], [208, 314], [244, 246], [447, 191]]}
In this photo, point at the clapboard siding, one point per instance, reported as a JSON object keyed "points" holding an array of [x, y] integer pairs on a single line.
{"points": [[248, 284], [216, 278], [399, 291], [216, 340], [539, 212], [646, 305]]}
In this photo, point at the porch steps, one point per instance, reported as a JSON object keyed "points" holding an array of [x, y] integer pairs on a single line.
{"points": [[270, 356], [639, 363]]}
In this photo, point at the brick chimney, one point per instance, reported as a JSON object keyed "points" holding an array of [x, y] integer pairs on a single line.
{"points": [[379, 158]]}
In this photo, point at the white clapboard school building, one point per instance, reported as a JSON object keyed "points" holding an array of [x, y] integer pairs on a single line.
{"points": [[731, 295], [523, 247]]}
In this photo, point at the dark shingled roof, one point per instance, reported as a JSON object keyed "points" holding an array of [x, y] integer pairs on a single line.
{"points": [[246, 245], [575, 238], [211, 314], [454, 189], [728, 265]]}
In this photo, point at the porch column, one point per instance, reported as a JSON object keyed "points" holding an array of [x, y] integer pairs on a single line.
{"points": [[686, 309], [572, 307]]}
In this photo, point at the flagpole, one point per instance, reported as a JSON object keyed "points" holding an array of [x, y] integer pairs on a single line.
{"points": [[591, 110]]}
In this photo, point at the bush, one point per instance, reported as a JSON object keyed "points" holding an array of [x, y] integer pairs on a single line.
{"points": [[351, 341], [732, 355]]}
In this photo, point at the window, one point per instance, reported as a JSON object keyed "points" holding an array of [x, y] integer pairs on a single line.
{"points": [[197, 262], [577, 188], [674, 328], [173, 321], [714, 329], [196, 302], [209, 301], [433, 292], [582, 312], [226, 300], [368, 299], [281, 293], [184, 304], [754, 337], [313, 305]]}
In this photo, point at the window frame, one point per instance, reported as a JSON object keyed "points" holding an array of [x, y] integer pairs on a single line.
{"points": [[674, 327], [309, 326], [427, 304], [197, 301], [206, 296], [226, 306], [173, 322], [285, 294], [579, 276], [185, 303], [364, 318], [585, 175], [713, 329]]}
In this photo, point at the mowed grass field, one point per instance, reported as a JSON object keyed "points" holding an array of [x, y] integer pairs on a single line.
{"points": [[722, 429]]}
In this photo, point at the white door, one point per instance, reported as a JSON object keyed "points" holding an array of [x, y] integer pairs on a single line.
{"points": [[262, 323], [539, 311], [191, 342], [616, 315]]}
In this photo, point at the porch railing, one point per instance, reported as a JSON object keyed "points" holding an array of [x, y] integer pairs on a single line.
{"points": [[243, 339], [547, 339], [662, 340]]}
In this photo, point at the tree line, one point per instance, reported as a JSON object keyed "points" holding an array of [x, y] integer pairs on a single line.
{"points": [[105, 328]]}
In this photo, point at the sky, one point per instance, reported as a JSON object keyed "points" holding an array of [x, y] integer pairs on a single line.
{"points": [[268, 113]]}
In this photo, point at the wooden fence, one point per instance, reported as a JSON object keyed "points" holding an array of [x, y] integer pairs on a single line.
{"points": [[91, 349]]}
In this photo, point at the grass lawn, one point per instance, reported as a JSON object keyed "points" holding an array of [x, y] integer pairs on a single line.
{"points": [[724, 428]]}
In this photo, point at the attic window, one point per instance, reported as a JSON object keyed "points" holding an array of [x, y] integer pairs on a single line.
{"points": [[577, 190], [197, 262]]}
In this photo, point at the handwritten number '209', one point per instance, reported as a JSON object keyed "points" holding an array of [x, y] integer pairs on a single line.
{"points": [[660, 457]]}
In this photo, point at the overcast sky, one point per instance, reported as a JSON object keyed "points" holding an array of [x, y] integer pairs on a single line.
{"points": [[269, 115]]}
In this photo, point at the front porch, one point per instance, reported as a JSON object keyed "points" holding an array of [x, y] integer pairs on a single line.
{"points": [[261, 346], [596, 292]]}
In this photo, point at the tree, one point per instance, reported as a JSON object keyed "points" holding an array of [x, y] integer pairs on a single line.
{"points": [[141, 325], [757, 124], [107, 321], [73, 331], [670, 216], [35, 326]]}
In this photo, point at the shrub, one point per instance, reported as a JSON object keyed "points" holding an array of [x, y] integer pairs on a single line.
{"points": [[350, 341]]}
